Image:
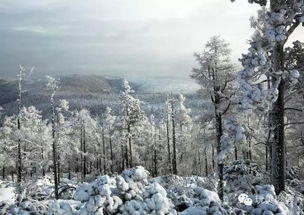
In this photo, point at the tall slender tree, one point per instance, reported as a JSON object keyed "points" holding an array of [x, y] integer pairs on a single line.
{"points": [[215, 75], [133, 117], [53, 85]]}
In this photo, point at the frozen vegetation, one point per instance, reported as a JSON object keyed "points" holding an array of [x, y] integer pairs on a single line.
{"points": [[235, 147], [135, 192]]}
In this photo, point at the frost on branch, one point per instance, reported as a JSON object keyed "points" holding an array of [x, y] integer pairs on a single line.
{"points": [[271, 28], [234, 133]]}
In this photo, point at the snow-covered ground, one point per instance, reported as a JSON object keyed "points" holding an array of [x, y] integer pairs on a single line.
{"points": [[133, 192], [7, 192]]}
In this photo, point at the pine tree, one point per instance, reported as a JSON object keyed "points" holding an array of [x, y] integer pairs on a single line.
{"points": [[266, 57], [215, 76]]}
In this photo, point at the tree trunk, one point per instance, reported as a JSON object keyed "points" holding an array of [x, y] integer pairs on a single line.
{"points": [[12, 175], [266, 158], [111, 153], [69, 169], [168, 146], [19, 153], [213, 158], [3, 172], [206, 163], [19, 160], [122, 158], [130, 146], [58, 168], [235, 153], [104, 152], [219, 133], [42, 158], [278, 145], [54, 152], [220, 165], [84, 169], [155, 156], [155, 163], [174, 162]]}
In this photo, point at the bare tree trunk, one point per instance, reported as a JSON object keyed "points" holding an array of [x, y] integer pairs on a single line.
{"points": [[19, 156], [130, 146], [266, 157], [206, 163], [126, 157], [19, 160], [42, 158], [104, 151], [59, 168], [54, 152], [155, 157], [220, 165], [69, 169], [278, 144], [155, 163], [213, 158], [278, 147], [249, 143], [122, 157], [84, 169], [111, 154], [250, 152], [168, 146], [3, 172], [98, 162], [235, 153], [174, 162]]}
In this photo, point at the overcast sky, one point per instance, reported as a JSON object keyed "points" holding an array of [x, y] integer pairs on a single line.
{"points": [[116, 37]]}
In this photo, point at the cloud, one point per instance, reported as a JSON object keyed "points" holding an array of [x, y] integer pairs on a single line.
{"points": [[117, 37]]}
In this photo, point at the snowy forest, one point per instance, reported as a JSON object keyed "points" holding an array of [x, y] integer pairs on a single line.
{"points": [[234, 146]]}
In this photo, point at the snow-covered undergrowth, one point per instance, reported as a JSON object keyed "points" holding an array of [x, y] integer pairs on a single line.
{"points": [[134, 193], [245, 178], [128, 193]]}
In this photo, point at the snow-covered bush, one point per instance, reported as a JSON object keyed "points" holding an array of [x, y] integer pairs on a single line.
{"points": [[266, 202], [129, 193], [190, 196], [241, 175]]}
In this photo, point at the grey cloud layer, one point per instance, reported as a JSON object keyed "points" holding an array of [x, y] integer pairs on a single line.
{"points": [[116, 37]]}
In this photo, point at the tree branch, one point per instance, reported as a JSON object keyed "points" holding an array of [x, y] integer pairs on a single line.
{"points": [[292, 28], [227, 108], [294, 123], [294, 109]]}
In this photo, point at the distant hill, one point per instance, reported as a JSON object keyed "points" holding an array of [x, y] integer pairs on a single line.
{"points": [[91, 91], [69, 85], [165, 85], [8, 91], [84, 84]]}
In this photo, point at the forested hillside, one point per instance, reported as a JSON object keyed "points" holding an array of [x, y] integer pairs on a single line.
{"points": [[228, 141]]}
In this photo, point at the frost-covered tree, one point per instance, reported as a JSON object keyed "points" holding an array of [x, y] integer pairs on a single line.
{"points": [[172, 111], [53, 85], [109, 121], [90, 138], [215, 75], [167, 114], [65, 137], [185, 141], [265, 60], [35, 135], [133, 117]]}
